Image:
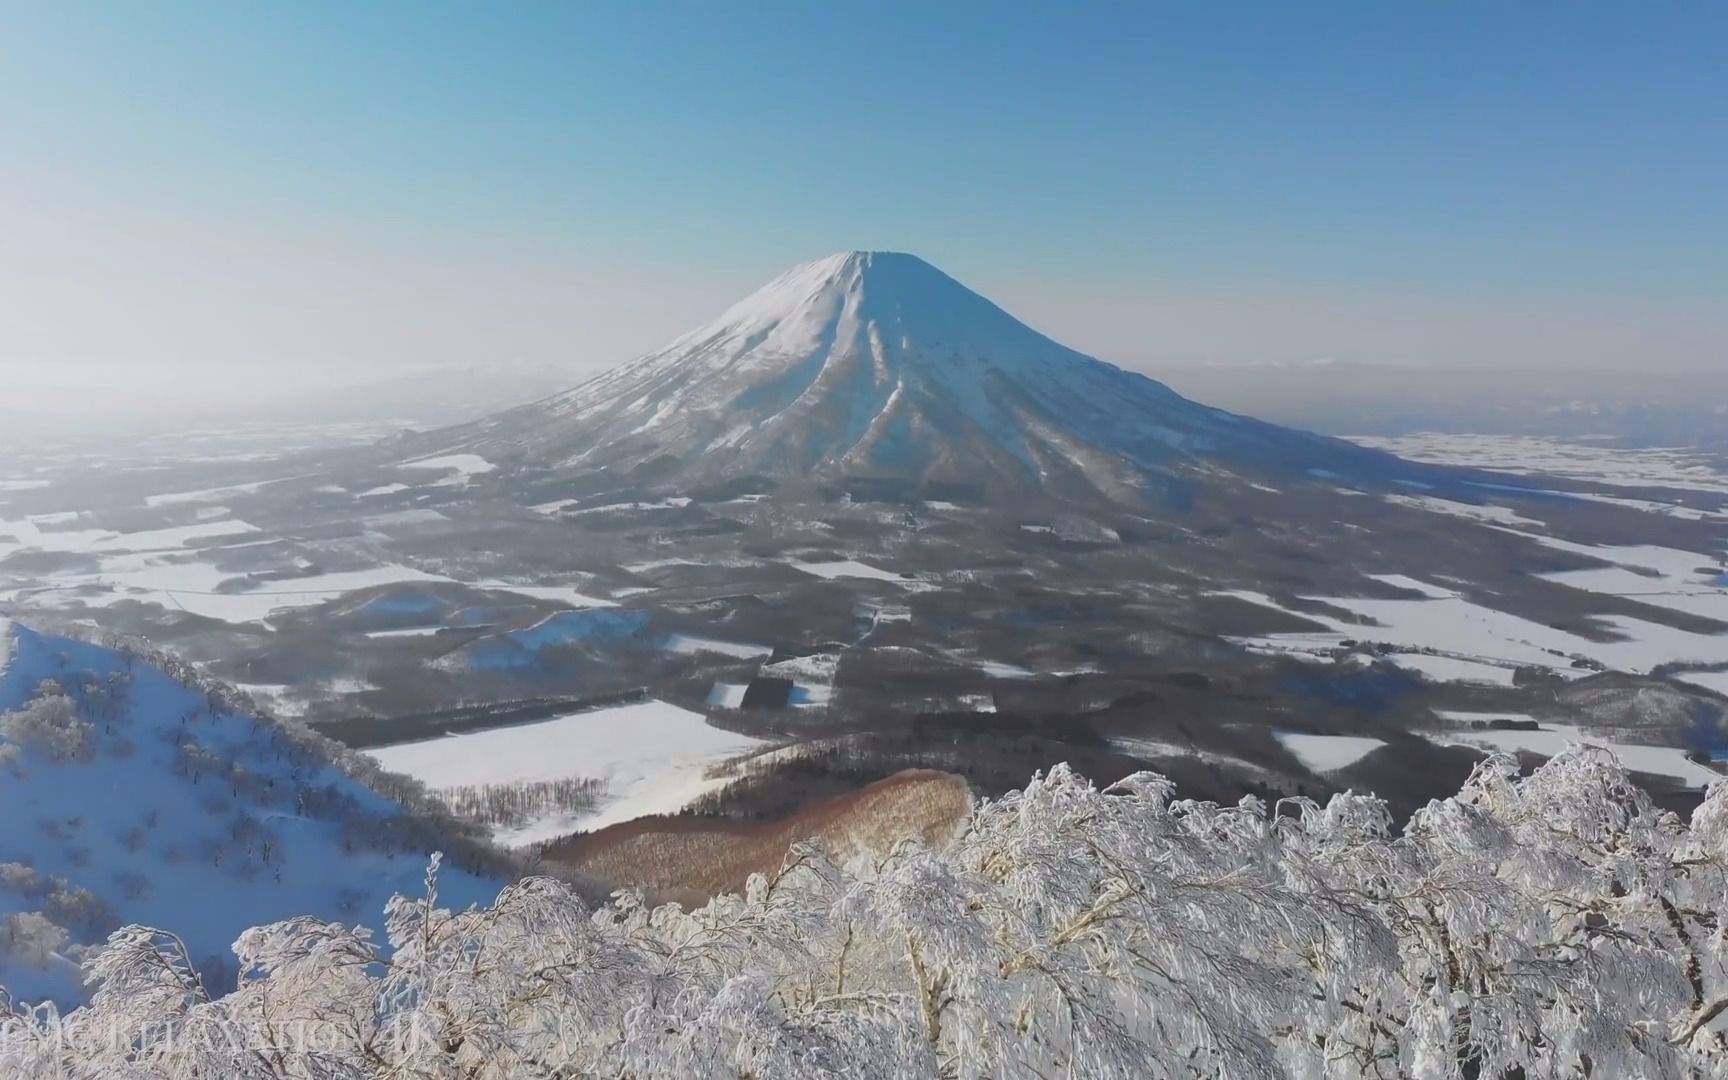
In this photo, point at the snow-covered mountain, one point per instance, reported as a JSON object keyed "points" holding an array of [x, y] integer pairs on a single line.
{"points": [[877, 364], [132, 795]]}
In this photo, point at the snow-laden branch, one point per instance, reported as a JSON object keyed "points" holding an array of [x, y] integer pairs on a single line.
{"points": [[1555, 925]]}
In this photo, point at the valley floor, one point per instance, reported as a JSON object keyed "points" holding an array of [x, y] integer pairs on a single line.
{"points": [[571, 655]]}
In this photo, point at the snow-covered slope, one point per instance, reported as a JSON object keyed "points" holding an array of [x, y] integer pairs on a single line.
{"points": [[878, 364], [131, 797]]}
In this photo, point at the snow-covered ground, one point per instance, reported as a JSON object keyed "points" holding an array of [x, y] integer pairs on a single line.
{"points": [[1405, 581], [1672, 467], [657, 564], [411, 631], [1155, 749], [1709, 680], [28, 534], [1693, 582], [689, 645], [1687, 581], [781, 368], [1484, 512], [727, 695], [849, 568], [1458, 626], [671, 503], [1328, 753], [206, 495], [1451, 669], [1651, 506], [164, 566], [462, 465], [196, 587], [562, 594], [1300, 645], [197, 849], [812, 677], [654, 758], [1553, 738]]}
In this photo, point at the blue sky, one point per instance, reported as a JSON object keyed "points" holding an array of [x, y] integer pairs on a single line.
{"points": [[374, 186]]}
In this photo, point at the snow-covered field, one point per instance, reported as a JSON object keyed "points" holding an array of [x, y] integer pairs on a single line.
{"points": [[1001, 669], [1328, 753], [1410, 584], [164, 567], [28, 534], [1687, 581], [1709, 680], [564, 506], [1671, 467], [849, 568], [1155, 749], [563, 594], [1451, 669], [1551, 739], [1484, 512], [205, 495], [460, 468], [1693, 582], [689, 645], [411, 631], [654, 758], [727, 695], [1471, 631], [812, 677], [196, 587]]}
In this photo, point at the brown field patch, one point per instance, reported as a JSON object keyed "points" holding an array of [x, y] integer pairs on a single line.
{"points": [[691, 859]]}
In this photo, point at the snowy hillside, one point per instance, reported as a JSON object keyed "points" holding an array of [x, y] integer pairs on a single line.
{"points": [[877, 364], [128, 796]]}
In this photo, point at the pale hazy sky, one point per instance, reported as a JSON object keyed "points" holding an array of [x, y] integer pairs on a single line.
{"points": [[199, 200]]}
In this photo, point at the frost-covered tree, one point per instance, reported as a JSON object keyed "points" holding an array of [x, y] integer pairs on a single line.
{"points": [[31, 938], [50, 722], [1549, 926]]}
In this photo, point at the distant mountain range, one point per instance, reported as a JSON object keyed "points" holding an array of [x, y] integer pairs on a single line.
{"points": [[1635, 408]]}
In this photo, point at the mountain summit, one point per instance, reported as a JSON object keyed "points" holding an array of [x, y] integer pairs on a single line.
{"points": [[872, 364]]}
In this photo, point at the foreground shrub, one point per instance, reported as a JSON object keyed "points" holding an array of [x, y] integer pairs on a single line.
{"points": [[1555, 925]]}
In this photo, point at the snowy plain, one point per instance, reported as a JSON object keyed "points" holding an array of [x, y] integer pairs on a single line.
{"points": [[1470, 631], [1328, 753], [654, 758], [1597, 461], [170, 567], [1552, 738]]}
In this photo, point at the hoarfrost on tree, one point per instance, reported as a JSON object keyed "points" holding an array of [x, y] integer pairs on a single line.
{"points": [[1554, 925]]}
